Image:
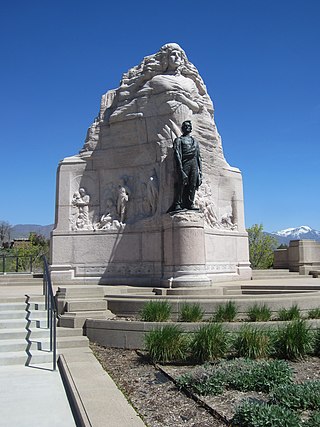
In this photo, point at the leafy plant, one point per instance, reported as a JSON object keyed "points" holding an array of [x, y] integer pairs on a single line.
{"points": [[166, 344], [261, 247], [156, 311], [291, 313], [259, 313], [205, 385], [314, 313], [252, 343], [298, 396], [226, 312], [313, 421], [251, 414], [191, 313], [209, 342], [294, 341]]}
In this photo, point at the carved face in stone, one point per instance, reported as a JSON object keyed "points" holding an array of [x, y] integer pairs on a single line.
{"points": [[175, 59]]}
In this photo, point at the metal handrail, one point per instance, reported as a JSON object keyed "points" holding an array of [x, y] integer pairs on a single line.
{"points": [[51, 307]]}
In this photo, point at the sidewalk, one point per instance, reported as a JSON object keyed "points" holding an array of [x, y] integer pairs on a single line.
{"points": [[35, 395]]}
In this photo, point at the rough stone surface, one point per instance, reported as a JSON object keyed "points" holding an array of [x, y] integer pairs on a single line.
{"points": [[117, 190]]}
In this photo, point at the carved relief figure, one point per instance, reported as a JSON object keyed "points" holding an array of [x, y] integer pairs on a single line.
{"points": [[153, 193], [122, 200], [188, 168], [81, 200], [107, 220]]}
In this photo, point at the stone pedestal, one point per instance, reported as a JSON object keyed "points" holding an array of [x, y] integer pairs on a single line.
{"points": [[184, 261]]}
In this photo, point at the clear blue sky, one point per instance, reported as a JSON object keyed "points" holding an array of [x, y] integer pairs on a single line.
{"points": [[260, 60]]}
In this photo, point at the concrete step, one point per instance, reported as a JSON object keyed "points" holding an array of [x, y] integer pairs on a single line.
{"points": [[86, 305], [78, 319], [13, 324], [80, 292], [37, 333], [22, 358]]}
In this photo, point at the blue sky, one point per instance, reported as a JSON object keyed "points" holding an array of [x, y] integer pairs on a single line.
{"points": [[259, 59]]}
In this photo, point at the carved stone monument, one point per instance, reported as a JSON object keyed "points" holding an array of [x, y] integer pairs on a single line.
{"points": [[115, 221]]}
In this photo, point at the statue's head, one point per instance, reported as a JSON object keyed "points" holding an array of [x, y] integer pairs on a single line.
{"points": [[186, 126], [173, 56]]}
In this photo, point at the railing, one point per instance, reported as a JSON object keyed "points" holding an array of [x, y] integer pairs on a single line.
{"points": [[50, 306], [16, 264]]}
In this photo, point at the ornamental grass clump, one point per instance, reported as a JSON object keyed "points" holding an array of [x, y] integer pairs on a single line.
{"points": [[191, 313], [259, 313], [167, 344], [156, 311], [313, 420], [294, 341], [314, 313], [250, 414], [209, 342], [287, 314], [252, 343], [226, 312], [316, 344]]}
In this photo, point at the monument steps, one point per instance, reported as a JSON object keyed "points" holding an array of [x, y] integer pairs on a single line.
{"points": [[24, 336]]}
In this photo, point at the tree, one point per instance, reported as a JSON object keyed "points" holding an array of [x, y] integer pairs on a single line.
{"points": [[5, 229], [261, 247]]}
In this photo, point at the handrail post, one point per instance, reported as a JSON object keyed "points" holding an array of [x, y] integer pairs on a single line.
{"points": [[4, 264]]}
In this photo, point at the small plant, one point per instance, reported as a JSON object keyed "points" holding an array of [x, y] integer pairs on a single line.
{"points": [[209, 343], [252, 343], [313, 421], [261, 415], [226, 312], [303, 396], [317, 343], [205, 385], [314, 313], [166, 344], [259, 313], [291, 313], [156, 311], [294, 341], [191, 313]]}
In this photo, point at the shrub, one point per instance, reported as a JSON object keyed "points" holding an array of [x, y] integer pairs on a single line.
{"points": [[166, 344], [313, 421], [298, 396], [294, 341], [156, 311], [259, 313], [208, 343], [291, 313], [314, 313], [191, 313], [240, 374], [259, 376], [226, 312], [317, 343], [262, 415], [252, 343]]}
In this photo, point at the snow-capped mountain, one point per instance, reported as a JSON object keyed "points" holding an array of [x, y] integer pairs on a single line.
{"points": [[303, 232]]}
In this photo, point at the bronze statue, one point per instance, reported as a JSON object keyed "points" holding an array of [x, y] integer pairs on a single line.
{"points": [[188, 169]]}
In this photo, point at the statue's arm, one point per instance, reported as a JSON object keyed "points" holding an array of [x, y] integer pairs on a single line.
{"points": [[177, 154]]}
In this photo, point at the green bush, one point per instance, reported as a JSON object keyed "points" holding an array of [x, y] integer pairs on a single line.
{"points": [[314, 313], [263, 375], [291, 313], [226, 312], [259, 313], [209, 342], [298, 396], [252, 343], [240, 374], [313, 421], [317, 343], [294, 341], [156, 311], [166, 344], [191, 313], [262, 415]]}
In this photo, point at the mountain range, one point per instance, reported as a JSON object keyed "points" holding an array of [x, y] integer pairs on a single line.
{"points": [[304, 232], [21, 231]]}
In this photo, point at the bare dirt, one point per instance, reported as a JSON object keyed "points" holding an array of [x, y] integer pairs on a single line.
{"points": [[154, 395]]}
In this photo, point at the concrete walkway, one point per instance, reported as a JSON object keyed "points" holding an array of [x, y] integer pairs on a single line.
{"points": [[35, 395]]}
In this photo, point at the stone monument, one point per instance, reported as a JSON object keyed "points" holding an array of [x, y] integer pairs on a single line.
{"points": [[118, 219]]}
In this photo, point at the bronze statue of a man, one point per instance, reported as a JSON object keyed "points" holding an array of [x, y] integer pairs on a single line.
{"points": [[188, 168]]}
